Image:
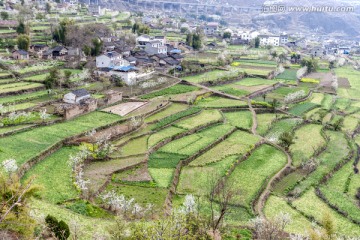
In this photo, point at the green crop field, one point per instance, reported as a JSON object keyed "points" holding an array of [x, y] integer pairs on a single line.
{"points": [[164, 134], [276, 205], [25, 145], [55, 176], [237, 144], [199, 180], [177, 89], [19, 86], [249, 176], [172, 109], [240, 119], [206, 116], [311, 205], [218, 102], [281, 126], [215, 75], [264, 122], [179, 115], [307, 138], [301, 108]]}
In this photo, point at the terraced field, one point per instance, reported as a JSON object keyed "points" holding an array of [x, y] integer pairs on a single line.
{"points": [[277, 156]]}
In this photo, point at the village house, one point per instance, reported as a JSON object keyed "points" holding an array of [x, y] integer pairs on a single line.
{"points": [[211, 28], [331, 49], [59, 52], [76, 96], [126, 73], [317, 52], [110, 60], [269, 40], [95, 10], [20, 55], [155, 47], [284, 39], [39, 49]]}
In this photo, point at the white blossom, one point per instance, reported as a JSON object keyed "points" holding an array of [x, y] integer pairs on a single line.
{"points": [[294, 96], [43, 115], [189, 205], [10, 165], [301, 72]]}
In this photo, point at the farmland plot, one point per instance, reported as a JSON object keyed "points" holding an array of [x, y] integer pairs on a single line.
{"points": [[240, 119], [218, 102], [307, 138], [312, 206], [25, 145], [285, 125], [54, 174], [336, 150], [275, 205], [200, 180], [237, 144], [251, 175]]}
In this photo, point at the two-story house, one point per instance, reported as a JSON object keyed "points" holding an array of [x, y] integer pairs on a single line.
{"points": [[269, 40], [211, 28], [110, 60], [155, 47]]}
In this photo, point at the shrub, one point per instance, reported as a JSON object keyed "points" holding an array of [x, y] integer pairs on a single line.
{"points": [[60, 229]]}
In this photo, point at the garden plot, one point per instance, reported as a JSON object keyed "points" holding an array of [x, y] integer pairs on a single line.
{"points": [[324, 78], [134, 147], [88, 226], [162, 162], [346, 181], [214, 76], [279, 127], [142, 195], [98, 172], [251, 175], [307, 139], [12, 88], [205, 117], [123, 109], [26, 145], [353, 77], [282, 92], [135, 175], [189, 96], [163, 134], [191, 144], [343, 82], [172, 109], [22, 97], [314, 207], [264, 122], [219, 102], [174, 90], [336, 150], [240, 119], [237, 144], [201, 180], [54, 174], [245, 86], [288, 75], [151, 106], [301, 108], [276, 205]]}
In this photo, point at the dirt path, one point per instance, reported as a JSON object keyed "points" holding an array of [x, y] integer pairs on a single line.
{"points": [[216, 91], [254, 118], [265, 194]]}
